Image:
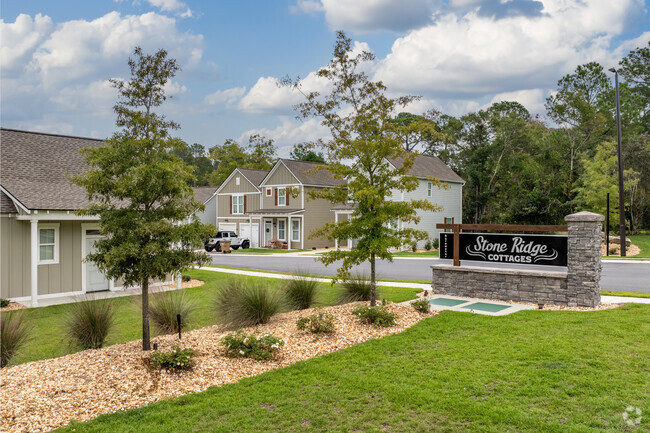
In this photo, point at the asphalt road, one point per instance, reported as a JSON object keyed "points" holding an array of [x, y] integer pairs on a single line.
{"points": [[622, 276]]}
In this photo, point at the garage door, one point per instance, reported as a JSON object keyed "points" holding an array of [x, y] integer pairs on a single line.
{"points": [[245, 232], [227, 227]]}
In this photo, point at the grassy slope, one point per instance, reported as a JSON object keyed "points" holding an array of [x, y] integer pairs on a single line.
{"points": [[532, 371], [47, 339]]}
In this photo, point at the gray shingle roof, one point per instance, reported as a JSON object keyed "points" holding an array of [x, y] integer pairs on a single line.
{"points": [[254, 175], [203, 193], [6, 204], [308, 173], [33, 168], [425, 166]]}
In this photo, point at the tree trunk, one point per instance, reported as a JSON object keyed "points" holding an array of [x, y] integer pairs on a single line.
{"points": [[146, 337], [373, 282]]}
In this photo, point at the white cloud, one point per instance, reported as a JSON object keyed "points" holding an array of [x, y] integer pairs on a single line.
{"points": [[228, 96], [306, 6], [20, 39], [171, 6], [532, 99], [290, 132]]}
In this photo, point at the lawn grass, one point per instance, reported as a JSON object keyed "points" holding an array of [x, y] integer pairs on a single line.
{"points": [[641, 241], [626, 294], [420, 254], [533, 371], [47, 337]]}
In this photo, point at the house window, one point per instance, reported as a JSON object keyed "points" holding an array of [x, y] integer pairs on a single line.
{"points": [[269, 192], [48, 244], [282, 230], [282, 197], [429, 188], [237, 180], [448, 221], [295, 230], [237, 204]]}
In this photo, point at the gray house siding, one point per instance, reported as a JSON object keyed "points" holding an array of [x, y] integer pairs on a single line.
{"points": [[209, 215], [281, 176]]}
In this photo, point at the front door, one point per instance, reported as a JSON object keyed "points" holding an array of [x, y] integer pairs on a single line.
{"points": [[268, 232], [95, 280]]}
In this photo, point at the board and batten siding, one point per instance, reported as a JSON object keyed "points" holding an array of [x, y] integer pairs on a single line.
{"points": [[62, 277], [317, 213], [225, 211], [231, 186], [281, 176], [449, 199]]}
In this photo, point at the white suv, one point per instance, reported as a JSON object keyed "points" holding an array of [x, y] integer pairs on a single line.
{"points": [[235, 242]]}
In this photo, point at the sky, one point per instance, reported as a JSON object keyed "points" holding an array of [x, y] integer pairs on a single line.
{"points": [[459, 55]]}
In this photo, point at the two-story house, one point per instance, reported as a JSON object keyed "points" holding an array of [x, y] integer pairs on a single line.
{"points": [[276, 205]]}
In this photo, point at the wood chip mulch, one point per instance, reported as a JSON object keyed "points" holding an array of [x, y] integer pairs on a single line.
{"points": [[43, 395], [13, 306]]}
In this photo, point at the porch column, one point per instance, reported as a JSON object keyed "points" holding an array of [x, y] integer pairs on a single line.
{"points": [[336, 221], [34, 262], [179, 280], [250, 230], [289, 232]]}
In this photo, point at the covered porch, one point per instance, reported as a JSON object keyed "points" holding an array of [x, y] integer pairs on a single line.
{"points": [[282, 229]]}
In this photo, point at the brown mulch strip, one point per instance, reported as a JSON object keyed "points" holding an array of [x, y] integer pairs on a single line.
{"points": [[631, 250], [13, 306], [43, 395]]}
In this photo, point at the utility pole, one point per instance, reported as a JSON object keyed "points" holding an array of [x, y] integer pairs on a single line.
{"points": [[621, 198]]}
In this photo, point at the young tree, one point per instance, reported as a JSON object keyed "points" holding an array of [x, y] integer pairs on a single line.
{"points": [[359, 117], [139, 187], [259, 153]]}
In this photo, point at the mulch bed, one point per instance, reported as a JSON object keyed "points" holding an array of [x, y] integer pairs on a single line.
{"points": [[43, 395]]}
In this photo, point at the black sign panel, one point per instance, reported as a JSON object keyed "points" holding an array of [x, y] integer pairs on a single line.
{"points": [[507, 248]]}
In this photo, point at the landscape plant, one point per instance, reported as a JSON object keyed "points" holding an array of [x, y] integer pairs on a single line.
{"points": [[421, 305], [301, 292], [427, 245], [164, 308], [138, 186], [4, 302], [320, 323], [240, 304], [359, 116], [242, 345], [376, 315], [356, 288], [436, 243], [175, 359], [14, 333], [89, 323]]}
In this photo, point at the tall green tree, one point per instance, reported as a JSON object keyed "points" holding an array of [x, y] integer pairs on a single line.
{"points": [[417, 131], [306, 152], [196, 156], [363, 135], [259, 153], [140, 189]]}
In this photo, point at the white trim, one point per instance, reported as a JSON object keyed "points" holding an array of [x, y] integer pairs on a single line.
{"points": [[56, 244], [285, 229], [268, 192], [232, 206], [34, 262], [14, 199], [284, 195], [84, 289], [56, 217], [291, 229], [238, 181], [234, 218], [285, 185], [242, 193]]}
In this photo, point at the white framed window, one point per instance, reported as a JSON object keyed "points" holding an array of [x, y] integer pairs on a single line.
{"points": [[282, 197], [429, 189], [295, 230], [282, 232], [269, 192], [237, 204], [237, 180], [48, 244]]}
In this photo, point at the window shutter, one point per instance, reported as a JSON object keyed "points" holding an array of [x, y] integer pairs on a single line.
{"points": [[286, 196], [276, 196], [231, 205], [244, 204]]}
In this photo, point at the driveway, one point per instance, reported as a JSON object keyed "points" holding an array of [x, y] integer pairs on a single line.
{"points": [[622, 276]]}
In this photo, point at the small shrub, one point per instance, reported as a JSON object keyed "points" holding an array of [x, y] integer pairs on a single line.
{"points": [[436, 243], [239, 305], [89, 322], [322, 323], [427, 245], [421, 305], [4, 303], [414, 246], [301, 292], [14, 333], [356, 289], [176, 359], [242, 345], [377, 316], [165, 306], [613, 251], [186, 278]]}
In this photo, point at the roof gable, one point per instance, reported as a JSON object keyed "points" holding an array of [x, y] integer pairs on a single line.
{"points": [[308, 173], [429, 166], [204, 193], [7, 204]]}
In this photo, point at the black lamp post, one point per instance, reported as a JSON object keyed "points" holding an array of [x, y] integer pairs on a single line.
{"points": [[621, 201]]}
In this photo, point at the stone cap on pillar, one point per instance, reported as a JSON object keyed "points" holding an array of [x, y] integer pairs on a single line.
{"points": [[584, 216]]}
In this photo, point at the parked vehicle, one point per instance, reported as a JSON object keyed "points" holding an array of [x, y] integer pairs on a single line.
{"points": [[235, 241]]}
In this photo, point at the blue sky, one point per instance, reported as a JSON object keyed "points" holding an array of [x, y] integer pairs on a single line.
{"points": [[459, 55]]}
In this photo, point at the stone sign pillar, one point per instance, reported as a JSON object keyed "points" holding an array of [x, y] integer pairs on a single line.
{"points": [[584, 265]]}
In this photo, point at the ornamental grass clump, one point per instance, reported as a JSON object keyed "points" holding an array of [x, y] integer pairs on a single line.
{"points": [[356, 289], [14, 333], [301, 292], [421, 305], [89, 323], [321, 323], [165, 306], [242, 345], [176, 359], [4, 302], [376, 316], [239, 305]]}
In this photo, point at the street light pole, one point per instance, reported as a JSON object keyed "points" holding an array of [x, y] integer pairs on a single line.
{"points": [[621, 200]]}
